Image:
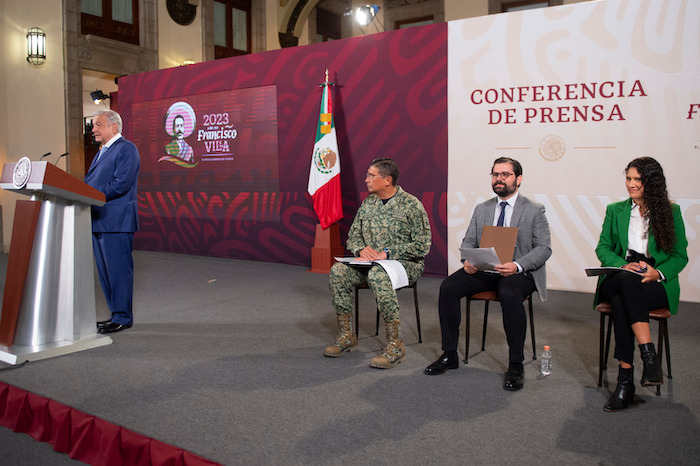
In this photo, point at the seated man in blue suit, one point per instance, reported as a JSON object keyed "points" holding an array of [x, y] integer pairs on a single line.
{"points": [[513, 281], [114, 172]]}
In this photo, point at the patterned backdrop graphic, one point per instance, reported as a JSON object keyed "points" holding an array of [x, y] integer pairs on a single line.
{"points": [[390, 99], [574, 93]]}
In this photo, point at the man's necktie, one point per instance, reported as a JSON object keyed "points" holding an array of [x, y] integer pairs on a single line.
{"points": [[99, 154], [502, 217]]}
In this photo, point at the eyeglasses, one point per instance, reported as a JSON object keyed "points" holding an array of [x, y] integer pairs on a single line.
{"points": [[502, 175]]}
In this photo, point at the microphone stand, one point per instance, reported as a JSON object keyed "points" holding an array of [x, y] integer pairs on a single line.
{"points": [[59, 157]]}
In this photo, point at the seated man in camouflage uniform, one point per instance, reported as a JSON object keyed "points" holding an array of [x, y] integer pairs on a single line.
{"points": [[390, 224]]}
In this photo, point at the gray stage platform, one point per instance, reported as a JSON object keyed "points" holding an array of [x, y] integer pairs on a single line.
{"points": [[225, 360]]}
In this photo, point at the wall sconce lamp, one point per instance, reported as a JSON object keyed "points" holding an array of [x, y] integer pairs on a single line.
{"points": [[188, 61], [364, 15], [36, 46], [98, 96]]}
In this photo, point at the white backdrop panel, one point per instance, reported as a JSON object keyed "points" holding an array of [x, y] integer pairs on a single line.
{"points": [[574, 93]]}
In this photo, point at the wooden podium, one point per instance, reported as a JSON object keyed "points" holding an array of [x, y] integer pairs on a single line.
{"points": [[326, 246], [48, 305]]}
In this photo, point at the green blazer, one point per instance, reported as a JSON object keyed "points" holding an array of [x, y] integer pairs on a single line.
{"points": [[612, 248]]}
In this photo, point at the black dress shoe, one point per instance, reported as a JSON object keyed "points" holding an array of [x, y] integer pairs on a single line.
{"points": [[515, 378], [113, 327], [102, 323], [446, 361]]}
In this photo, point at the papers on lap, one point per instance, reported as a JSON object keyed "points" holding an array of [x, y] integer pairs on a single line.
{"points": [[482, 258], [595, 271], [502, 239], [497, 246], [393, 268]]}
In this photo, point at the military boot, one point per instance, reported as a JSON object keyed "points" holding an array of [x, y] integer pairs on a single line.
{"points": [[394, 351], [346, 337]]}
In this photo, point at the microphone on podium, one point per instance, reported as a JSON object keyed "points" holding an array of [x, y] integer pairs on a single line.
{"points": [[48, 153], [59, 157]]}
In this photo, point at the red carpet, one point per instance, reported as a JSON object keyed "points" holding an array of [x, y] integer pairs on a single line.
{"points": [[84, 437]]}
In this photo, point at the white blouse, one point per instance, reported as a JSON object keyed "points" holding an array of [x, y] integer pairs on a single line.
{"points": [[637, 233]]}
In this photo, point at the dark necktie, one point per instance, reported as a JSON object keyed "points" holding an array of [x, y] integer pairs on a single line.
{"points": [[502, 217]]}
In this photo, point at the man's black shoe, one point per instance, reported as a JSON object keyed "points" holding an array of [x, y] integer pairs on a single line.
{"points": [[102, 323], [113, 327], [446, 361], [515, 377]]}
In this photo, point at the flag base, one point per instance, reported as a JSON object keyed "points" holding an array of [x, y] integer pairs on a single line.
{"points": [[326, 246]]}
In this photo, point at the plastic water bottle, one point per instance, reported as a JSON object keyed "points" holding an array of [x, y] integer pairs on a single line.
{"points": [[546, 361]]}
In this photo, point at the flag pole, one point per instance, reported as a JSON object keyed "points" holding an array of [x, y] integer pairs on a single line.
{"points": [[326, 83], [327, 241]]}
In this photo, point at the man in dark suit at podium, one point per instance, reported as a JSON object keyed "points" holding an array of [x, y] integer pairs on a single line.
{"points": [[114, 172]]}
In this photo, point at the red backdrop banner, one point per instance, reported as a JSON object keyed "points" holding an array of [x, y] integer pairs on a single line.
{"points": [[390, 100]]}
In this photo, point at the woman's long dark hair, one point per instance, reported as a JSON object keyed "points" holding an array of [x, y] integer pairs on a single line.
{"points": [[655, 197]]}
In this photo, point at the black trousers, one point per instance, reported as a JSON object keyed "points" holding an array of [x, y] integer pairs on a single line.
{"points": [[630, 300], [511, 292]]}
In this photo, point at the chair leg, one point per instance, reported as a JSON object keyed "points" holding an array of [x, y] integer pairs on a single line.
{"points": [[660, 354], [607, 339], [466, 332], [532, 328], [668, 349], [601, 363], [486, 320], [415, 300], [357, 316], [663, 343], [376, 329]]}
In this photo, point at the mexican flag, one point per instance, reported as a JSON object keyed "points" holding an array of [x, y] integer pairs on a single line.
{"points": [[324, 176]]}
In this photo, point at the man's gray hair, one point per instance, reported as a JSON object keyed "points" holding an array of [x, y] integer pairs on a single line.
{"points": [[112, 117]]}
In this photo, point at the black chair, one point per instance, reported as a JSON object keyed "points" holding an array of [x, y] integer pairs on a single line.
{"points": [[659, 315], [488, 296], [364, 286]]}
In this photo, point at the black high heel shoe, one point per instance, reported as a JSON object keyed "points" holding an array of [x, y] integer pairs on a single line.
{"points": [[624, 393], [652, 374]]}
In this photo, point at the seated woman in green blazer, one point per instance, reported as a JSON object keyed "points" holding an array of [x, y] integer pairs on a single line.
{"points": [[644, 234]]}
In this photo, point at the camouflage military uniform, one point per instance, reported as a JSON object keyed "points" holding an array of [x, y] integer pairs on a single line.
{"points": [[402, 226]]}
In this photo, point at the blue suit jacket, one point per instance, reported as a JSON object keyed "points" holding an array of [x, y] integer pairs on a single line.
{"points": [[116, 175]]}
